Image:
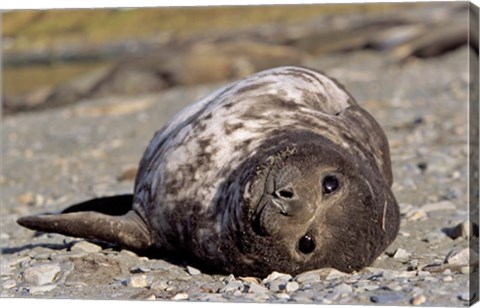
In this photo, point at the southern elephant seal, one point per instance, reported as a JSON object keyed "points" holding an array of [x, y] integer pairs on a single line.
{"points": [[281, 171]]}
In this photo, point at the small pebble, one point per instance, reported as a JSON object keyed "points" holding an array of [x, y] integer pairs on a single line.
{"points": [[418, 300], [461, 257], [276, 275], [463, 230], [401, 254], [307, 277], [343, 289], [334, 274], [179, 297], [193, 271], [137, 281], [256, 288], [41, 289], [250, 279], [159, 285], [8, 284], [292, 286], [386, 298], [84, 246], [41, 274], [447, 279], [464, 296], [27, 198], [231, 286]]}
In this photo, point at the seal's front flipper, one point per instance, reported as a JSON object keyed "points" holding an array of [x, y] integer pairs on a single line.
{"points": [[82, 220]]}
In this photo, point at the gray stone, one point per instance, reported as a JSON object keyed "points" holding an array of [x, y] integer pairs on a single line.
{"points": [[8, 284], [137, 281], [464, 296], [193, 271], [418, 300], [401, 254], [256, 288], [343, 289], [159, 285], [292, 286], [41, 274], [232, 286], [179, 297], [463, 230], [87, 247], [276, 275], [461, 257], [387, 298], [307, 277], [41, 288]]}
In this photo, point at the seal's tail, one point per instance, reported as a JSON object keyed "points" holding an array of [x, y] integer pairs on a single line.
{"points": [[109, 219]]}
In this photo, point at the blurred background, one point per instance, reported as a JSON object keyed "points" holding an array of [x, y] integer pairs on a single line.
{"points": [[58, 57]]}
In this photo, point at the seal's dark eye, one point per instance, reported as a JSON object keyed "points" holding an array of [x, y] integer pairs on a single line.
{"points": [[329, 184], [306, 244]]}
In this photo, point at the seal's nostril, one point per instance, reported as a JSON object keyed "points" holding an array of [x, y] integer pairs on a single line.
{"points": [[284, 194]]}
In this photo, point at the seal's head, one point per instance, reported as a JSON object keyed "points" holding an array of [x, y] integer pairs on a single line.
{"points": [[314, 205]]}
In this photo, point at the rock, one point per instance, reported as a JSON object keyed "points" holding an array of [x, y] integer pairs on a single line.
{"points": [[464, 296], [464, 230], [193, 271], [84, 246], [137, 281], [292, 286], [41, 289], [334, 274], [439, 206], [276, 275], [231, 287], [27, 198], [62, 256], [447, 279], [250, 279], [159, 285], [461, 257], [387, 298], [41, 274], [179, 297], [276, 282], [401, 253], [343, 289], [8, 284], [418, 300], [253, 287]]}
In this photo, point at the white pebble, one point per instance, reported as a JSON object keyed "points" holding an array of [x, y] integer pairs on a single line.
{"points": [[42, 289], [8, 284], [41, 274], [84, 246], [292, 286], [137, 281], [193, 271]]}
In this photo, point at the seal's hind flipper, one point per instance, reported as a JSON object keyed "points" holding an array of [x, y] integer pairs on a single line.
{"points": [[83, 220]]}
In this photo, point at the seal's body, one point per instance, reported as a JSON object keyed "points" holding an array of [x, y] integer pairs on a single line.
{"points": [[279, 171]]}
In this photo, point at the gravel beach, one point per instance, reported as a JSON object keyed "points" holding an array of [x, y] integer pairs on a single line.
{"points": [[53, 158]]}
